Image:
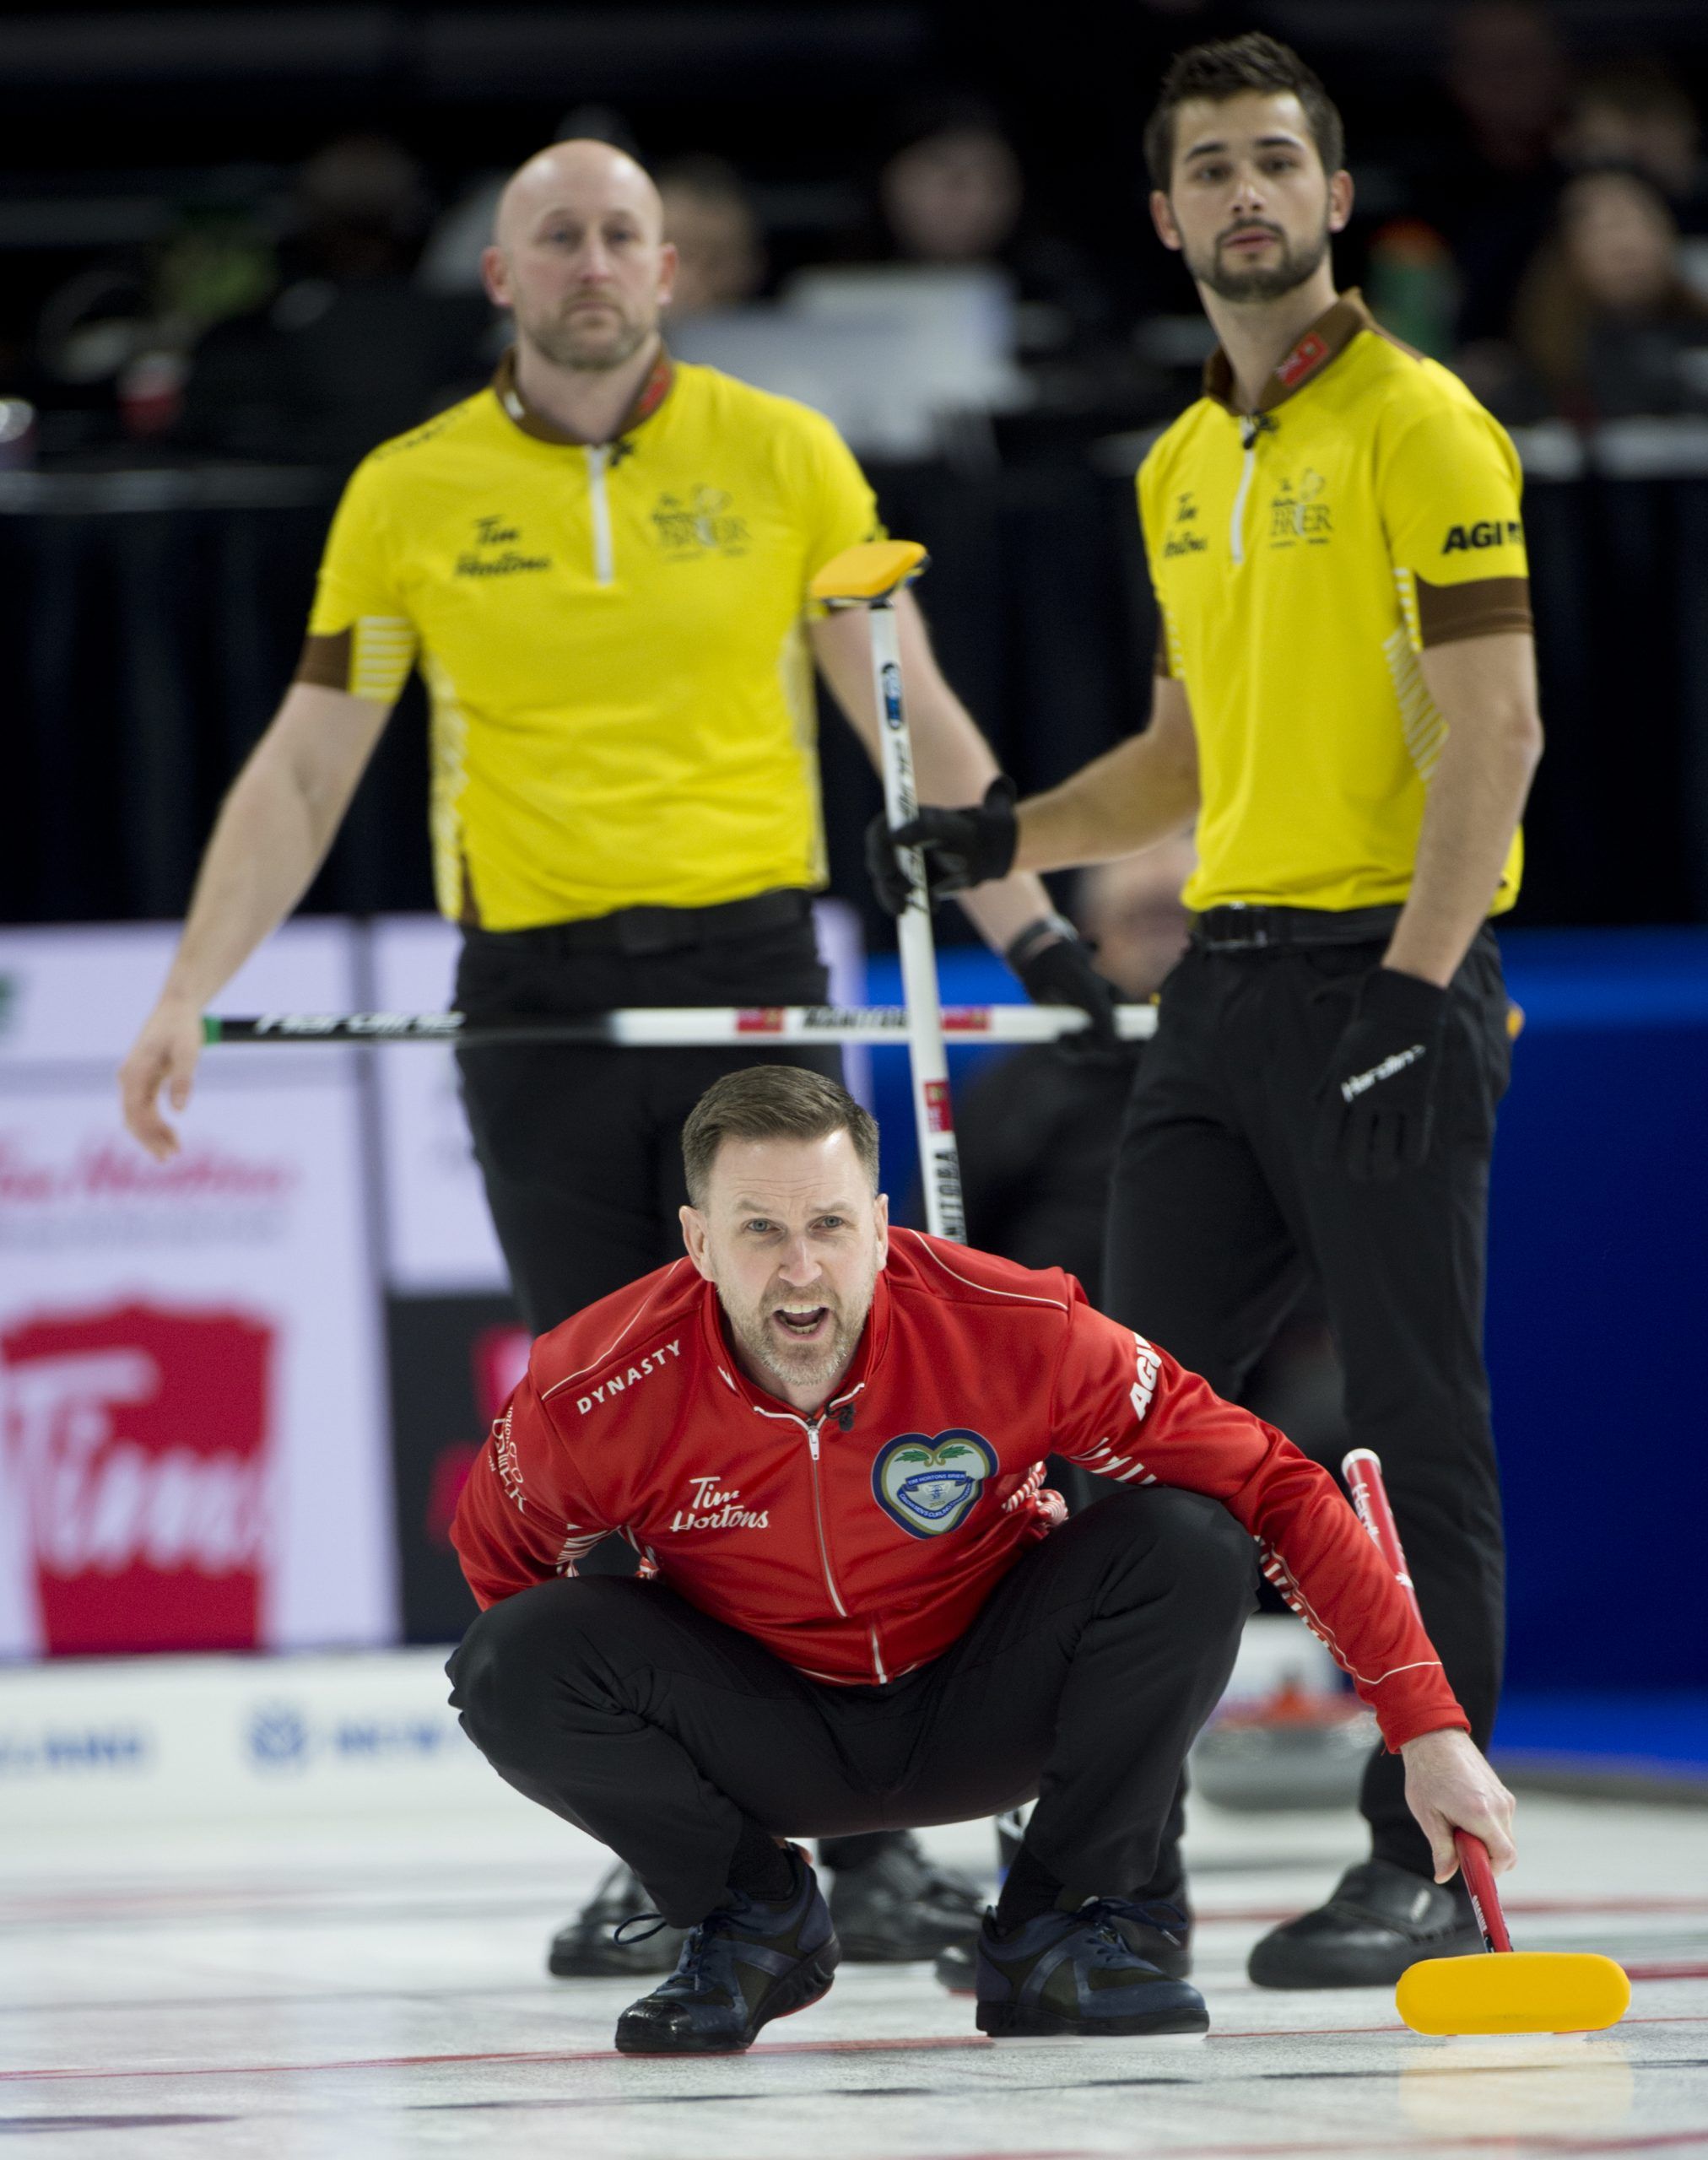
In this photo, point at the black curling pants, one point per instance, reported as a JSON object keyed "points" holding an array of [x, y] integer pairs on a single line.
{"points": [[1082, 1682], [1218, 1214]]}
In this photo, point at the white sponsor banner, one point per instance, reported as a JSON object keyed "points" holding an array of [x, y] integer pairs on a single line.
{"points": [[439, 1236], [193, 1422], [216, 1740]]}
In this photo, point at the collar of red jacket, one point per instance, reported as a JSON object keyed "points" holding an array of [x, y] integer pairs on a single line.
{"points": [[874, 1340]]}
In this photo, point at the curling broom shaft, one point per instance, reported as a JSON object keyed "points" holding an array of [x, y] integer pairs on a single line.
{"points": [[664, 1027], [940, 1159]]}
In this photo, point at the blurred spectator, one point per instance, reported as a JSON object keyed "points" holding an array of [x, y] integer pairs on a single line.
{"points": [[952, 192], [1604, 322], [1635, 112], [1412, 285], [351, 350], [1506, 78], [710, 220]]}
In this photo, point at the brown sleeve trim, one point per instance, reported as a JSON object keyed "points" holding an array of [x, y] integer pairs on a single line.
{"points": [[1479, 609], [1161, 664], [325, 661]]}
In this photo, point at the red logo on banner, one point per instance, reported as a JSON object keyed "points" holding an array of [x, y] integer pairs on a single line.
{"points": [[139, 1441], [760, 1020], [937, 1112]]}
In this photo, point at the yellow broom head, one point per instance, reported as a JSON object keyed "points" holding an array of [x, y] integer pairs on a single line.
{"points": [[1514, 1991], [870, 571]]}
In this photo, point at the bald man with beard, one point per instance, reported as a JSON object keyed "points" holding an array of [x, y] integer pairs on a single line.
{"points": [[601, 565]]}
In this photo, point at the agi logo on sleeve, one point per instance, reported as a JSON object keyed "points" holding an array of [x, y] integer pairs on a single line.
{"points": [[931, 1486]]}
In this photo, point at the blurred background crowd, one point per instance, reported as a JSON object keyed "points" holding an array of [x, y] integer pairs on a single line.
{"points": [[258, 237]]}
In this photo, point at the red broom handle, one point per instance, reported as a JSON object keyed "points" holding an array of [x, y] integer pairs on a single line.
{"points": [[1362, 1471]]}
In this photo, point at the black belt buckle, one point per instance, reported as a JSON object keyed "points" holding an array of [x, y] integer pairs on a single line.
{"points": [[1249, 931]]}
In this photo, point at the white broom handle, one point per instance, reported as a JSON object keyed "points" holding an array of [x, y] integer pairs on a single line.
{"points": [[676, 1027], [939, 1161]]}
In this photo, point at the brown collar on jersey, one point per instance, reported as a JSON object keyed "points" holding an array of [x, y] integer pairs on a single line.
{"points": [[650, 395], [1328, 336]]}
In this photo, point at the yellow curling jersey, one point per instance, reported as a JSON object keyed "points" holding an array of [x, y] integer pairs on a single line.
{"points": [[613, 637], [1303, 556]]}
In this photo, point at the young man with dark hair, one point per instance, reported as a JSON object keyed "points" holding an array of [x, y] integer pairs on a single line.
{"points": [[1345, 705], [826, 1439]]}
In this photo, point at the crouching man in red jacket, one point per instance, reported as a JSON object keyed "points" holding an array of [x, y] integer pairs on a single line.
{"points": [[859, 1610]]}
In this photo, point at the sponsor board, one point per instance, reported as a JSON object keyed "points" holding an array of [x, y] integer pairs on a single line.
{"points": [[216, 1740], [193, 1444]]}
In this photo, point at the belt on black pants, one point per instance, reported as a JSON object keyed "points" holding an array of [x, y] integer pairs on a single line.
{"points": [[637, 930], [1237, 928]]}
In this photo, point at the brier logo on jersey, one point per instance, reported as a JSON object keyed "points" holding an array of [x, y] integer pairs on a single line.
{"points": [[931, 1486]]}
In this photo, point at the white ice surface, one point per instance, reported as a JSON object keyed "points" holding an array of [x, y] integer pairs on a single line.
{"points": [[379, 1992]]}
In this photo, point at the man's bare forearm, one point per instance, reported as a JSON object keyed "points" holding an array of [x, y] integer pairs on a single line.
{"points": [[273, 833], [952, 762], [1144, 790], [1485, 688]]}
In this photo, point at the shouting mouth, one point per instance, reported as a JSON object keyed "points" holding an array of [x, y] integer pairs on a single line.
{"points": [[799, 1321]]}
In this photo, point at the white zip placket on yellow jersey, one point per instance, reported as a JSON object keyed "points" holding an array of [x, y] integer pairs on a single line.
{"points": [[598, 455], [1253, 425]]}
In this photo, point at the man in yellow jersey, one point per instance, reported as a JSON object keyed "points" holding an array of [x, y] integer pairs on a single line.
{"points": [[601, 565], [1346, 706]]}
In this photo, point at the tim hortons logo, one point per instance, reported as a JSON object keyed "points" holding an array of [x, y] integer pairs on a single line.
{"points": [[138, 1441], [711, 1508]]}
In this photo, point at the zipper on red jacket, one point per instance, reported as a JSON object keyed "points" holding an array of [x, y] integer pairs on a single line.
{"points": [[819, 1519]]}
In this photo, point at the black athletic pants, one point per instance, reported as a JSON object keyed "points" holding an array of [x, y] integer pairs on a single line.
{"points": [[1217, 1215], [580, 1148], [1083, 1681]]}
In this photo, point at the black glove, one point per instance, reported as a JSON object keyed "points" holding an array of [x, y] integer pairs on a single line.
{"points": [[961, 847], [1056, 968], [1377, 1098]]}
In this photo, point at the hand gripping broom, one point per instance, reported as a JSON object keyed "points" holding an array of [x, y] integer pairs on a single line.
{"points": [[1509, 1990]]}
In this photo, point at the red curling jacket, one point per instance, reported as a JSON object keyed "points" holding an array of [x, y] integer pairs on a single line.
{"points": [[860, 1543]]}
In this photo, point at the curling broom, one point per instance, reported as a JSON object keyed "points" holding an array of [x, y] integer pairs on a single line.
{"points": [[1508, 1990]]}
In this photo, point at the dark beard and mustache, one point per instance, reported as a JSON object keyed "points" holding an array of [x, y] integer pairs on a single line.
{"points": [[1267, 283]]}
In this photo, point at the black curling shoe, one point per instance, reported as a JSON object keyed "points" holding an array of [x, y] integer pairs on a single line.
{"points": [[1080, 1973], [1381, 1918], [588, 1949], [1160, 1932], [744, 1964], [900, 1906]]}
